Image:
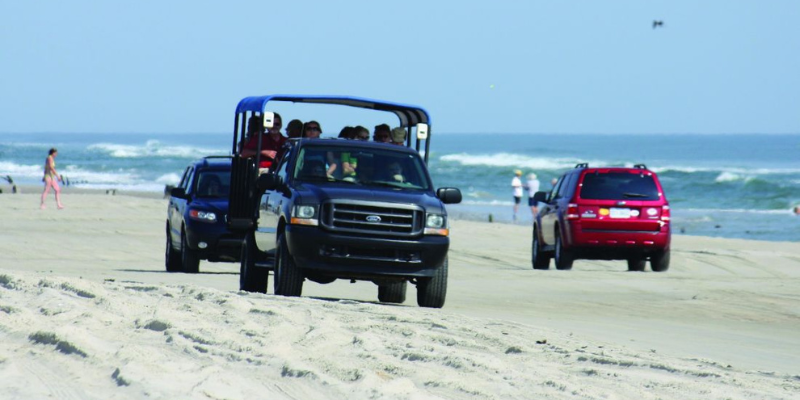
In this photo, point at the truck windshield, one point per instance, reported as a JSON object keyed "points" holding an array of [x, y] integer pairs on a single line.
{"points": [[361, 166]]}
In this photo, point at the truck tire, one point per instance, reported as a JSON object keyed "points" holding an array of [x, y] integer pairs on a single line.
{"points": [[563, 257], [393, 292], [288, 278], [431, 292], [659, 262], [251, 278], [636, 264], [189, 258], [172, 259], [538, 258]]}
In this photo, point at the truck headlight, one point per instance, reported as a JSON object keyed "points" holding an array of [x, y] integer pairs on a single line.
{"points": [[304, 215], [435, 224], [204, 216]]}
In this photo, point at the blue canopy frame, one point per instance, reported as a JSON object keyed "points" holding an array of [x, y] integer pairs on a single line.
{"points": [[409, 115]]}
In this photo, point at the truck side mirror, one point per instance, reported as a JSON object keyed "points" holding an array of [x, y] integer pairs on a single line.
{"points": [[422, 131], [178, 192], [269, 119], [267, 182], [540, 197], [449, 195]]}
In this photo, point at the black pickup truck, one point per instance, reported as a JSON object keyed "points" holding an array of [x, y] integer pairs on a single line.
{"points": [[343, 209]]}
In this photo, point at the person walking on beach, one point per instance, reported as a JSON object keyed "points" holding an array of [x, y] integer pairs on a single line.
{"points": [[532, 186], [516, 187], [51, 179]]}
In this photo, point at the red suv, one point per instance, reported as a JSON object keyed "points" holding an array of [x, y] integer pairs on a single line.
{"points": [[603, 214]]}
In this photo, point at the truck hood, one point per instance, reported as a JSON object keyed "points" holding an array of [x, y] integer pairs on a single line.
{"points": [[311, 193]]}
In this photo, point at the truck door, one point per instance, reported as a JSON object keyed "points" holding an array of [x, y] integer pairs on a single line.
{"points": [[269, 212]]}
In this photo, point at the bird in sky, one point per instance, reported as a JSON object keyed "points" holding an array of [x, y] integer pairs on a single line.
{"points": [[657, 23]]}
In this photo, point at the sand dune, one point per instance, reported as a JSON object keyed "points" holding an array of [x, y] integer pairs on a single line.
{"points": [[87, 312]]}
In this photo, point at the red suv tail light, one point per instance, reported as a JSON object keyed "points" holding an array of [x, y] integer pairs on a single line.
{"points": [[665, 213], [572, 211]]}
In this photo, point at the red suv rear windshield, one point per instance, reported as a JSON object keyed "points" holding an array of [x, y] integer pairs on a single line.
{"points": [[618, 186]]}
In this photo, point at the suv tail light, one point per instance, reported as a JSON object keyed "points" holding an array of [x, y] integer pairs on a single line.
{"points": [[572, 211], [665, 213]]}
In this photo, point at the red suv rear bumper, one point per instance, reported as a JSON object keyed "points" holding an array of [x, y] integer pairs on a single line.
{"points": [[581, 237]]}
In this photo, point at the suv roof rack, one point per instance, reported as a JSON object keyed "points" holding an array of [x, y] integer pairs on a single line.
{"points": [[582, 165], [640, 166]]}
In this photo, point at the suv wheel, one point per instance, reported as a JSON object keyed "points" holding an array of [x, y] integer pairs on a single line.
{"points": [[659, 262], [393, 292], [288, 278], [538, 258], [563, 257], [636, 264], [172, 259], [431, 292], [251, 278], [189, 258]]}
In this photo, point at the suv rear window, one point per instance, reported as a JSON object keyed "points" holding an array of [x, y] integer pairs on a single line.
{"points": [[618, 186]]}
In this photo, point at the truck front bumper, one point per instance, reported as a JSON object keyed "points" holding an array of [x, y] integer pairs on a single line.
{"points": [[358, 257]]}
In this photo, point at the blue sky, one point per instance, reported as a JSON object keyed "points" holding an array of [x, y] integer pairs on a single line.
{"points": [[726, 66]]}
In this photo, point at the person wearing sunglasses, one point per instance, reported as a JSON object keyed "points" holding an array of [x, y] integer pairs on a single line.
{"points": [[362, 133], [312, 130], [382, 134]]}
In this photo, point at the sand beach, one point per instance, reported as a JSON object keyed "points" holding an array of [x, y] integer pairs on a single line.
{"points": [[87, 311]]}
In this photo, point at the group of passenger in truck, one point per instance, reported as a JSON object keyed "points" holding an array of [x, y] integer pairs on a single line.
{"points": [[272, 140]]}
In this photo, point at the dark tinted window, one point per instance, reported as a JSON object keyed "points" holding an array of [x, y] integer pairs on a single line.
{"points": [[214, 184], [618, 186], [564, 190]]}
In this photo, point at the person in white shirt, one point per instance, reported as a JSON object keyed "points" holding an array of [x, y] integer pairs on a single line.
{"points": [[533, 186], [516, 185]]}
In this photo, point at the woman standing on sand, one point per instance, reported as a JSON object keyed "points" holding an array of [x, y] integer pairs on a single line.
{"points": [[51, 179]]}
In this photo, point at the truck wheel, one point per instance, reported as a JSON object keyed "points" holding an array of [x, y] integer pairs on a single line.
{"points": [[636, 264], [431, 292], [659, 262], [189, 258], [288, 278], [393, 292], [171, 257], [538, 259], [251, 278], [563, 257]]}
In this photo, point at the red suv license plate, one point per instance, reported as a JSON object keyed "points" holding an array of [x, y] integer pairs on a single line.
{"points": [[620, 213]]}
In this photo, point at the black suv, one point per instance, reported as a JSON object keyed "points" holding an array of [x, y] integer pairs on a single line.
{"points": [[197, 217], [344, 209]]}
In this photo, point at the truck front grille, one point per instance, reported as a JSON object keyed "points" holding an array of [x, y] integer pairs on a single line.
{"points": [[386, 219]]}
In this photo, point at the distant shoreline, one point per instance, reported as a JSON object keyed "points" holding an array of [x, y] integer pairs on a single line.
{"points": [[67, 190]]}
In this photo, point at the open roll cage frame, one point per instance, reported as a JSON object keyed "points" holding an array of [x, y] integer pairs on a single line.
{"points": [[242, 214]]}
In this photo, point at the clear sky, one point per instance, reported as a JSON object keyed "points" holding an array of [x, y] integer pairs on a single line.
{"points": [[716, 66]]}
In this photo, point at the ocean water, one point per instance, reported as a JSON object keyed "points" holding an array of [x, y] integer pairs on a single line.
{"points": [[737, 186]]}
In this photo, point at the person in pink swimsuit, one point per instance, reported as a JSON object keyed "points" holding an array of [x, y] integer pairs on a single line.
{"points": [[51, 178]]}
